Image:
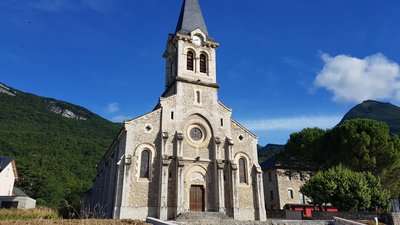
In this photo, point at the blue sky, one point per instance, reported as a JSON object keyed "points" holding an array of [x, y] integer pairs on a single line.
{"points": [[282, 64]]}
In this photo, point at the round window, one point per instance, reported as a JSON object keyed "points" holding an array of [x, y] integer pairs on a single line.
{"points": [[196, 134]]}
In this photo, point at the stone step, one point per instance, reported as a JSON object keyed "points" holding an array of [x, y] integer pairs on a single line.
{"points": [[202, 216]]}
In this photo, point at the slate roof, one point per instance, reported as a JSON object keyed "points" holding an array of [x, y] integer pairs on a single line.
{"points": [[270, 163], [19, 192], [4, 161], [191, 18]]}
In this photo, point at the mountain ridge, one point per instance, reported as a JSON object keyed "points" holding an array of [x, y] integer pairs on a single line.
{"points": [[376, 110], [56, 145]]}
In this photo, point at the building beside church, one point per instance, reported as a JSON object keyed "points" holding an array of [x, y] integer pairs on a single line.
{"points": [[12, 197], [282, 186], [188, 154]]}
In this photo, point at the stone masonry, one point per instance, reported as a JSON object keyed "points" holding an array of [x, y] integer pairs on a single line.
{"points": [[188, 154]]}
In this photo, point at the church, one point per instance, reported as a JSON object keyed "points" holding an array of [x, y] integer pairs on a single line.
{"points": [[188, 154]]}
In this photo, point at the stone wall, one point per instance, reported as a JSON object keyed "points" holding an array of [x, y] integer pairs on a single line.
{"points": [[271, 189], [390, 219], [341, 221], [269, 222], [284, 214], [144, 134], [318, 215], [396, 218], [289, 181]]}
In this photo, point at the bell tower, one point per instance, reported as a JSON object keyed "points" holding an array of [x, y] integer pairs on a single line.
{"points": [[191, 52]]}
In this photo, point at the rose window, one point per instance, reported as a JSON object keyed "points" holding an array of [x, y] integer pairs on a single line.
{"points": [[196, 134]]}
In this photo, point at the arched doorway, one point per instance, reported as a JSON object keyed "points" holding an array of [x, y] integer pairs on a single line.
{"points": [[197, 198]]}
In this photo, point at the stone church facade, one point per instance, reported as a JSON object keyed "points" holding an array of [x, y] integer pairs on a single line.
{"points": [[188, 154]]}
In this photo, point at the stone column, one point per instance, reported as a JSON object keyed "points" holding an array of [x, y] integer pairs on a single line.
{"points": [[262, 216], [234, 181], [221, 189], [181, 208], [163, 214], [164, 164], [118, 188], [235, 194], [219, 174]]}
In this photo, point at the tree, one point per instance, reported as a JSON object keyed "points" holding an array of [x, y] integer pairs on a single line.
{"points": [[319, 189], [364, 145], [360, 144], [347, 190], [305, 150], [380, 198]]}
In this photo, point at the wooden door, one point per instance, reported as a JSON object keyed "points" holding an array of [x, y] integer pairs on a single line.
{"points": [[196, 198]]}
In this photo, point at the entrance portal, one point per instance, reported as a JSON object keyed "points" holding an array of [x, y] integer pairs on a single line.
{"points": [[196, 198]]}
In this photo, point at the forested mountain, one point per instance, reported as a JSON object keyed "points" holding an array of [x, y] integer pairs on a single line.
{"points": [[383, 112], [56, 145], [268, 151]]}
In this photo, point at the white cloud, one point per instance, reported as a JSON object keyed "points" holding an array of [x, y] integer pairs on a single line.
{"points": [[120, 119], [112, 107], [294, 123], [355, 80]]}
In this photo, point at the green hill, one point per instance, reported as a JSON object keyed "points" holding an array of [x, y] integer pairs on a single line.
{"points": [[383, 112], [56, 145], [270, 150]]}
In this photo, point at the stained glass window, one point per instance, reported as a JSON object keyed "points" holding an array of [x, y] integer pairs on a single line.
{"points": [[196, 134], [242, 171], [145, 164]]}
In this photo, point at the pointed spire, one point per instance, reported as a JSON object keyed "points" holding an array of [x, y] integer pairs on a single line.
{"points": [[191, 18]]}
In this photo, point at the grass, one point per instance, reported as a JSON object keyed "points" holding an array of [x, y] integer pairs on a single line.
{"points": [[31, 214], [47, 216]]}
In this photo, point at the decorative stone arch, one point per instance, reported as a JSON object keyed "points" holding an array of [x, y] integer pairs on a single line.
{"points": [[199, 176], [137, 156], [186, 54], [204, 115], [199, 33], [197, 120], [248, 167]]}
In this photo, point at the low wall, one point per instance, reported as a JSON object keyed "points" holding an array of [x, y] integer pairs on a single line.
{"points": [[341, 221], [155, 221], [396, 218], [284, 214], [320, 215], [23, 202], [391, 219]]}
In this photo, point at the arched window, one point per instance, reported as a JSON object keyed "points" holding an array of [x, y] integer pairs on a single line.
{"points": [[242, 171], [145, 164], [198, 97], [203, 63], [190, 61]]}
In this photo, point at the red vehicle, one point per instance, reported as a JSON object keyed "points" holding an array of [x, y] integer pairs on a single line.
{"points": [[308, 209]]}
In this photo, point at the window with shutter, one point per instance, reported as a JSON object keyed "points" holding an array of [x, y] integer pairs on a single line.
{"points": [[190, 61], [203, 63]]}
